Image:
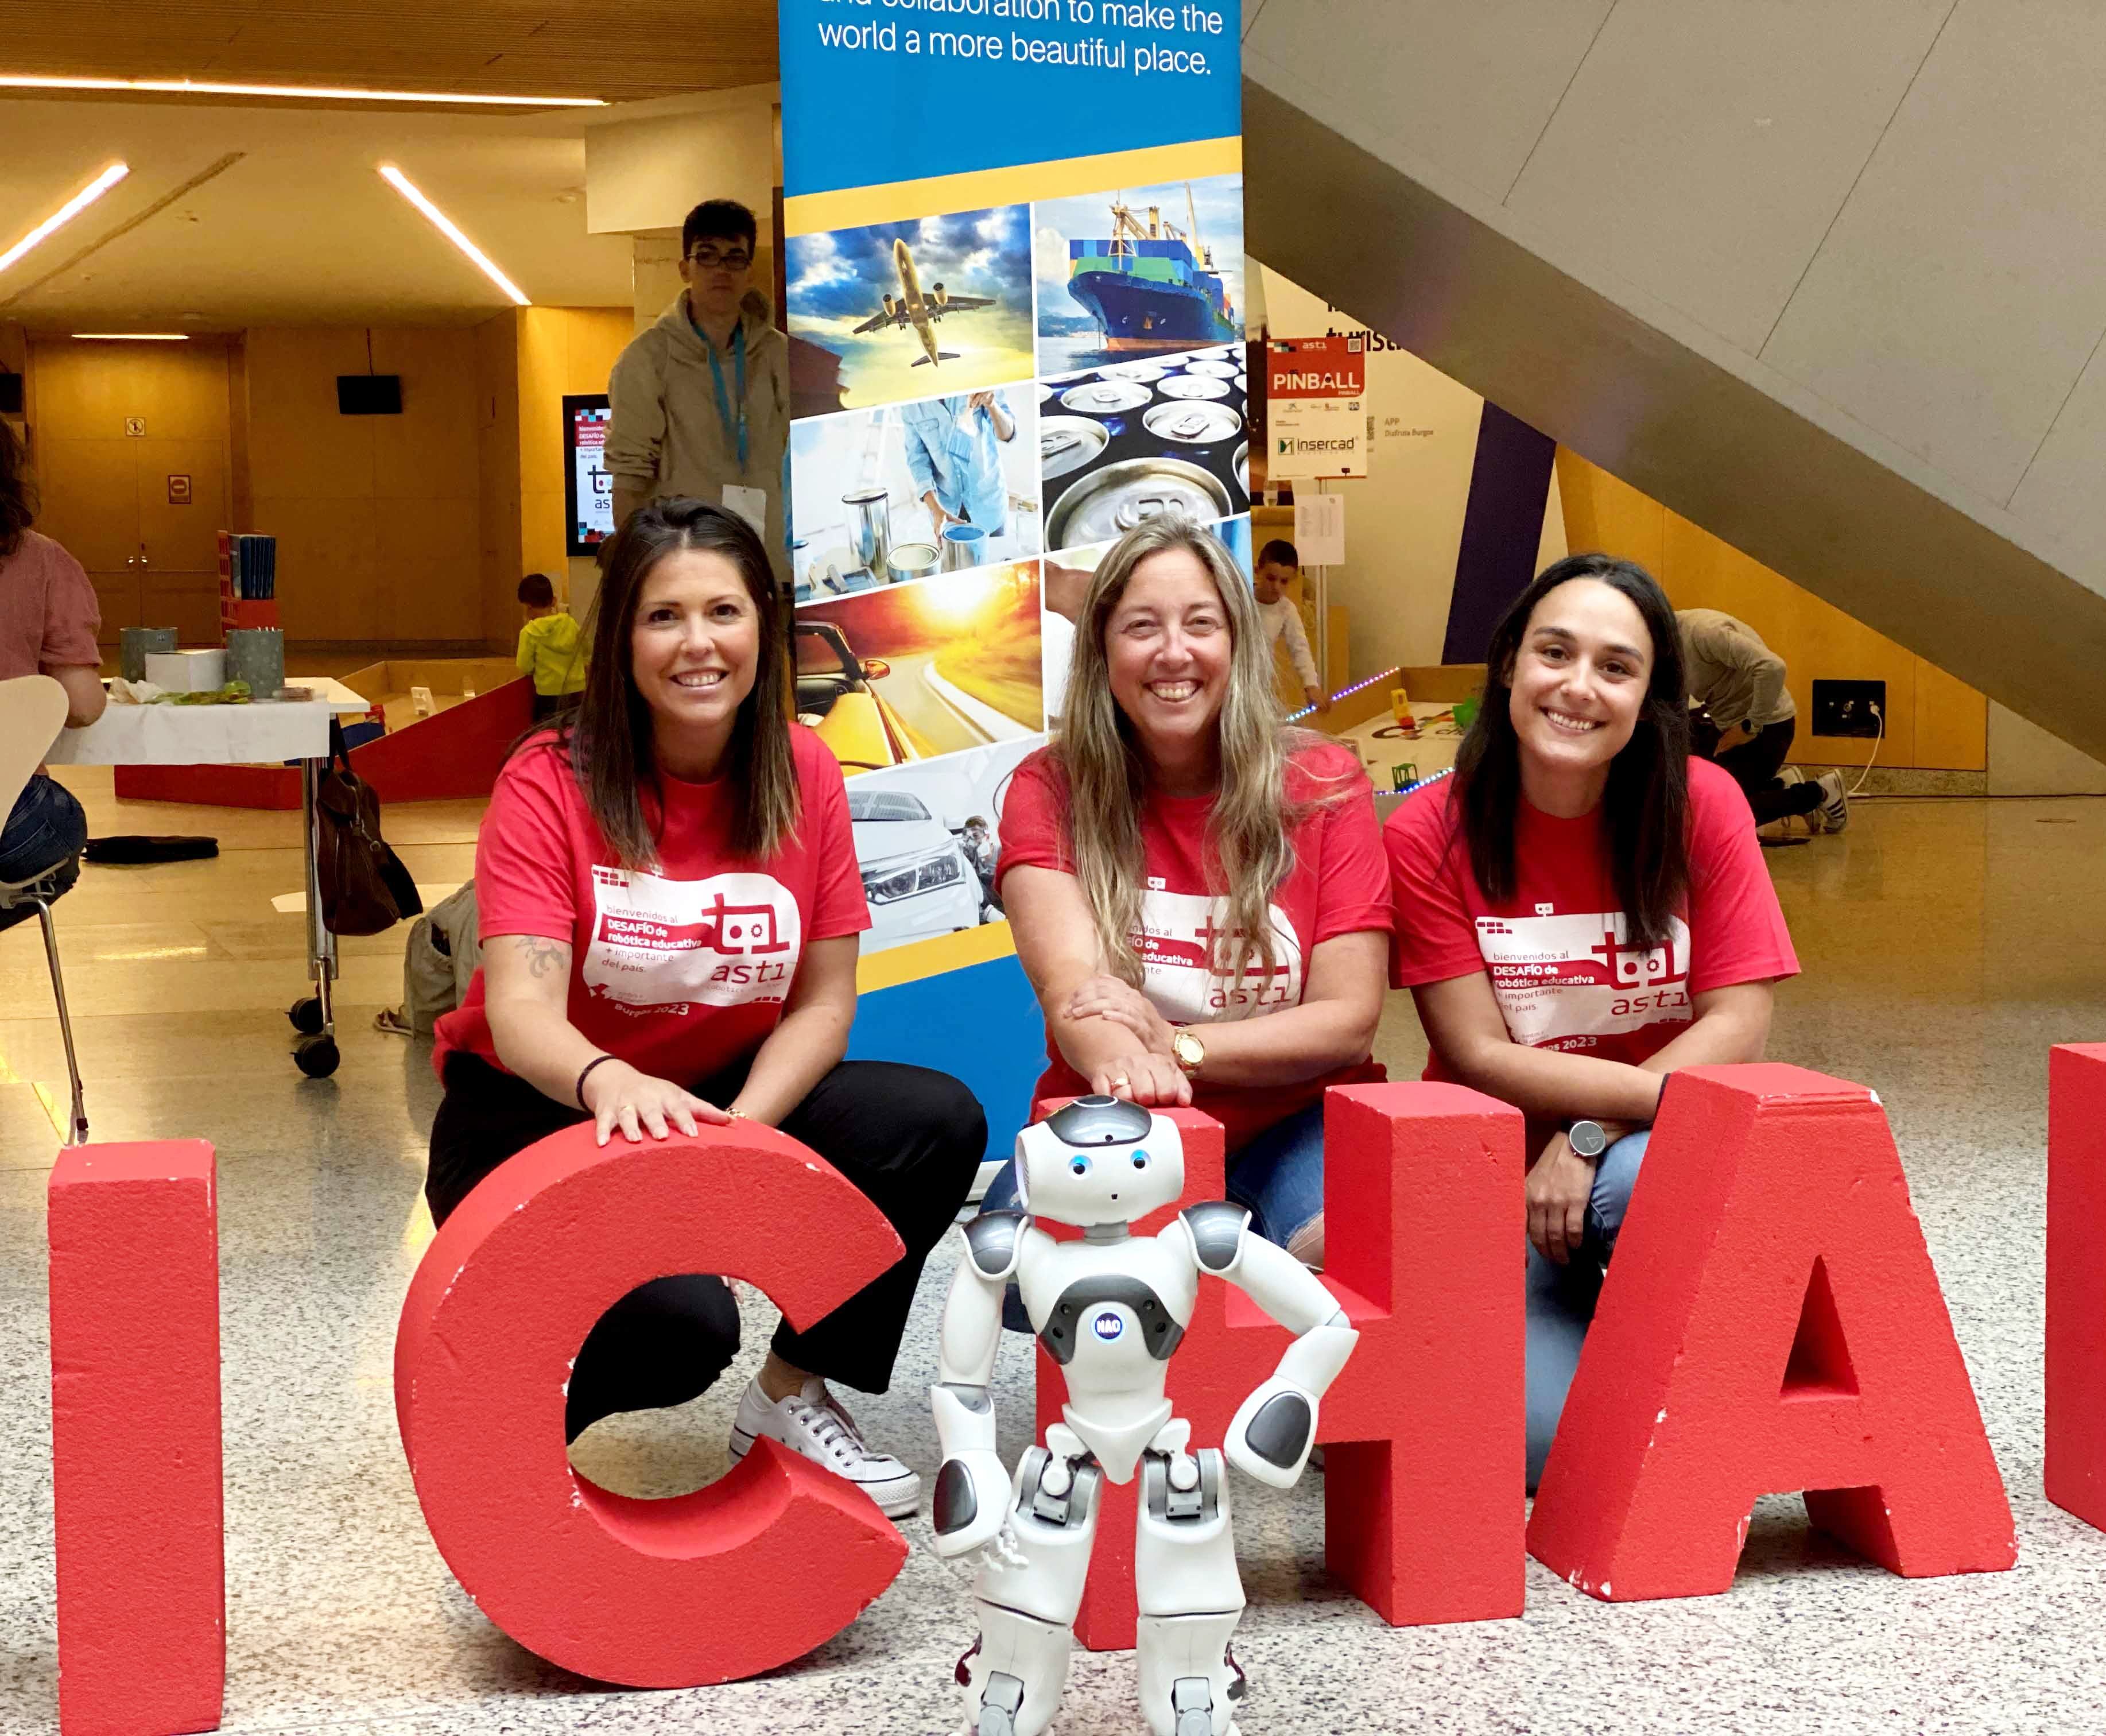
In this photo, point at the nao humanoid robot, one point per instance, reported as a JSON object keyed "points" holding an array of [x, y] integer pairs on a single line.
{"points": [[1110, 1309]]}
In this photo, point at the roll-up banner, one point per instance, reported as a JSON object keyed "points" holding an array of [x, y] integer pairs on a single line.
{"points": [[1013, 262]]}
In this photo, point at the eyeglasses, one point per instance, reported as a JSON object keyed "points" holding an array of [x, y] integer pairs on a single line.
{"points": [[709, 258]]}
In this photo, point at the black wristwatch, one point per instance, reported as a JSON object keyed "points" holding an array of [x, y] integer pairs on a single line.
{"points": [[1590, 1139]]}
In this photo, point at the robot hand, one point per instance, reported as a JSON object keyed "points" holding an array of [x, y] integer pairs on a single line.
{"points": [[972, 1501], [1272, 1433]]}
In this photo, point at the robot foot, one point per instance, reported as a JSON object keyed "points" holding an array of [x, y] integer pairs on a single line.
{"points": [[1190, 1679], [1013, 1676]]}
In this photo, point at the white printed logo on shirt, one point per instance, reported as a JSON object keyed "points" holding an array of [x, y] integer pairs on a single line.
{"points": [[1178, 942], [730, 940], [1562, 981]]}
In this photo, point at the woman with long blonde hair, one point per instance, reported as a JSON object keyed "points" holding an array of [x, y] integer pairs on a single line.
{"points": [[1199, 892]]}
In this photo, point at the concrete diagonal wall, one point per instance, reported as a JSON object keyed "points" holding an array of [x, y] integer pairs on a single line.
{"points": [[1827, 277]]}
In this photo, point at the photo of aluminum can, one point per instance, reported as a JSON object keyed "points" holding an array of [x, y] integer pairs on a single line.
{"points": [[1067, 443], [1192, 423], [1108, 397], [1214, 370], [1108, 503], [1193, 386]]}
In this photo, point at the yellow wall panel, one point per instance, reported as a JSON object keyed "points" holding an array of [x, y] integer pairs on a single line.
{"points": [[1932, 720]]}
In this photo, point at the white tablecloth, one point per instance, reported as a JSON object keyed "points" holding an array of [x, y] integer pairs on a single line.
{"points": [[1382, 746], [258, 734]]}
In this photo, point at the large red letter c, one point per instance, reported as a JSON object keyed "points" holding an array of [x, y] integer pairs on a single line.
{"points": [[755, 1570]]}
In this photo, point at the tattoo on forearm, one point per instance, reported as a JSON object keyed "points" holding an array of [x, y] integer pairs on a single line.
{"points": [[543, 957]]}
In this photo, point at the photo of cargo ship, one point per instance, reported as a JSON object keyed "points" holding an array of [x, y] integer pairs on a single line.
{"points": [[1143, 272]]}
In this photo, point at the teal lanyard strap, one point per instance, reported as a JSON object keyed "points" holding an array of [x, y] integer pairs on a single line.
{"points": [[716, 374]]}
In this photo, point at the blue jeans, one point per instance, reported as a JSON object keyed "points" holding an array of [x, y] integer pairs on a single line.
{"points": [[46, 828], [1278, 1178], [1561, 1298]]}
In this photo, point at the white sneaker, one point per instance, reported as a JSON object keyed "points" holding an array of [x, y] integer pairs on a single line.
{"points": [[812, 1424], [1834, 809]]}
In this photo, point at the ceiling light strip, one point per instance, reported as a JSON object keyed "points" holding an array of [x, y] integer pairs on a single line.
{"points": [[132, 337], [446, 226], [292, 92], [67, 213]]}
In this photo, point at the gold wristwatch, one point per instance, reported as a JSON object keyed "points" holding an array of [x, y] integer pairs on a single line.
{"points": [[1188, 1051]]}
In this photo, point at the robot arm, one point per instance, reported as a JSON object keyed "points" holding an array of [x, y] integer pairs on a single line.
{"points": [[1274, 1427], [972, 1487]]}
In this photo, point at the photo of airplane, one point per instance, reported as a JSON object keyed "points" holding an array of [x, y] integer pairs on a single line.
{"points": [[874, 296], [911, 307]]}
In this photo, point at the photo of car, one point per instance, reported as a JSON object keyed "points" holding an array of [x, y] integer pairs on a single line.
{"points": [[836, 698], [916, 871]]}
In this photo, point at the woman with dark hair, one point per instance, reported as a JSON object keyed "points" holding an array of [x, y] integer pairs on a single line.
{"points": [[1580, 909], [1198, 892], [48, 618], [669, 908]]}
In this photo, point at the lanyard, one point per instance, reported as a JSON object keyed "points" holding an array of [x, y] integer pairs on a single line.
{"points": [[716, 374]]}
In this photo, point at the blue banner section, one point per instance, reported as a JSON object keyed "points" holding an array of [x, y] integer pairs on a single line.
{"points": [[879, 90]]}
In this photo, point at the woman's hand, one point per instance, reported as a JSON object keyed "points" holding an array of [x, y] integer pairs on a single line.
{"points": [[1153, 1081], [1124, 1005], [1558, 1189], [621, 1095]]}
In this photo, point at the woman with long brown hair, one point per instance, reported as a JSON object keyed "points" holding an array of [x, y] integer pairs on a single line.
{"points": [[1197, 891], [669, 907], [48, 619]]}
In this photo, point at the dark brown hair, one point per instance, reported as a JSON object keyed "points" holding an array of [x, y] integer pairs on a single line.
{"points": [[609, 736], [1646, 806], [18, 494], [536, 592]]}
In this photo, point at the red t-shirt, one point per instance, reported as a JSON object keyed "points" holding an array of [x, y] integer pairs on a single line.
{"points": [[682, 971], [1339, 885], [1555, 951]]}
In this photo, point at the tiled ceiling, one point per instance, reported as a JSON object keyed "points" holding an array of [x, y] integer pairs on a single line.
{"points": [[621, 51]]}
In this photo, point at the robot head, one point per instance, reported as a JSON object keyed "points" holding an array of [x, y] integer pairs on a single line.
{"points": [[1099, 1160]]}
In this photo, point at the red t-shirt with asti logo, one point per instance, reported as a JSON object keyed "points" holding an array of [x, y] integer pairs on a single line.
{"points": [[680, 971], [1339, 885], [1560, 967]]}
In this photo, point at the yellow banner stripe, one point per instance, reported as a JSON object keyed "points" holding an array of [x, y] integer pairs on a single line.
{"points": [[901, 201], [932, 957]]}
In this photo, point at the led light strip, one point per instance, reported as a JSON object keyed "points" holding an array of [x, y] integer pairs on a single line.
{"points": [[446, 226], [295, 92], [1296, 717], [131, 337], [67, 213]]}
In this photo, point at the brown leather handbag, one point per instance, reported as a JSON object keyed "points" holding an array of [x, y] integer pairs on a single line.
{"points": [[364, 888]]}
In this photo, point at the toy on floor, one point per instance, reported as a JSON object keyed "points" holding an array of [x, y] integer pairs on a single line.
{"points": [[1110, 1309]]}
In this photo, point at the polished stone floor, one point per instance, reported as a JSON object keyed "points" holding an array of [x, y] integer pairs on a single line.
{"points": [[1947, 944]]}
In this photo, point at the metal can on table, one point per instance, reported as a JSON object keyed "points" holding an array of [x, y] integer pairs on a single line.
{"points": [[1108, 503]]}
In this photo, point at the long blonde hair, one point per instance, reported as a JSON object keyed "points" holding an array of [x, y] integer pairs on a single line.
{"points": [[1249, 855]]}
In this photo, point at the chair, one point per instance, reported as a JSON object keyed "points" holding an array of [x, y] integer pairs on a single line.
{"points": [[32, 711]]}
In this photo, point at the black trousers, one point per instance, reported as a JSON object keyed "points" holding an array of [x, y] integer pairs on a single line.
{"points": [[547, 706], [911, 1140], [1754, 766]]}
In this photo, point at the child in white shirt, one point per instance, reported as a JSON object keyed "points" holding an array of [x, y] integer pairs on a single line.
{"points": [[1277, 566]]}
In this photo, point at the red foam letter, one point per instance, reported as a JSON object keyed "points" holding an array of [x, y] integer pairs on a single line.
{"points": [[766, 1563], [136, 1439], [1422, 1190], [2075, 1468], [1771, 1322]]}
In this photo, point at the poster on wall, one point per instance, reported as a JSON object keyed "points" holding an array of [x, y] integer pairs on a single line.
{"points": [[1316, 412], [588, 489], [1020, 233]]}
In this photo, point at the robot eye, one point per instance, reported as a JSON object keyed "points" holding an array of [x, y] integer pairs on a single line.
{"points": [[1140, 1159], [1079, 1164]]}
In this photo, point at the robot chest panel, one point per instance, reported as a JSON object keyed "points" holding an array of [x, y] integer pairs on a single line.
{"points": [[1106, 1314]]}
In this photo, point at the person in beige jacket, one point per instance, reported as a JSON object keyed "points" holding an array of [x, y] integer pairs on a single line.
{"points": [[700, 401]]}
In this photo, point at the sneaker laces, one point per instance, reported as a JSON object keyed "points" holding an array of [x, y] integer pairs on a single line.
{"points": [[828, 1430]]}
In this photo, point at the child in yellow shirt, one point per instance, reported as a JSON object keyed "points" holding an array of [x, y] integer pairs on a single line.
{"points": [[549, 650]]}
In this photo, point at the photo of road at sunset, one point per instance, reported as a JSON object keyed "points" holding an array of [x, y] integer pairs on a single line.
{"points": [[912, 671]]}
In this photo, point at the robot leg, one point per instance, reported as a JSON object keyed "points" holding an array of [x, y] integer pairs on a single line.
{"points": [[1029, 1587], [1190, 1595]]}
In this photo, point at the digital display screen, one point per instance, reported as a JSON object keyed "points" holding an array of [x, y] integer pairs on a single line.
{"points": [[588, 489]]}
